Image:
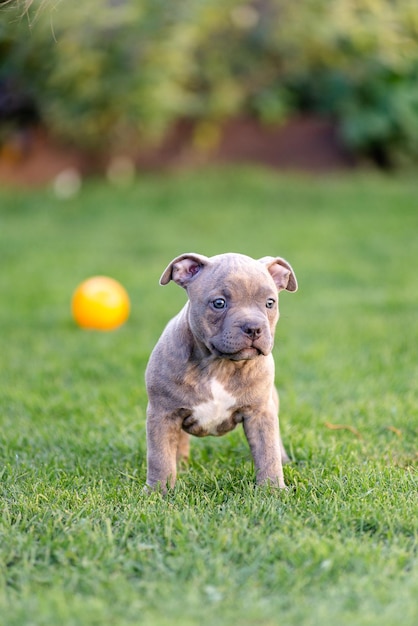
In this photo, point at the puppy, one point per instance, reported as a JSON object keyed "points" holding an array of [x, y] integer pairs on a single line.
{"points": [[212, 367]]}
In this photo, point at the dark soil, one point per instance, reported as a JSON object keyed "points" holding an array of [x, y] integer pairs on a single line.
{"points": [[308, 144]]}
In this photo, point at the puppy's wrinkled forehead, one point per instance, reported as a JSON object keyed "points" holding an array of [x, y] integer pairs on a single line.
{"points": [[235, 271]]}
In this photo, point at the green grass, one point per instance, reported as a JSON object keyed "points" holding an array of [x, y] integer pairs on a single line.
{"points": [[80, 542]]}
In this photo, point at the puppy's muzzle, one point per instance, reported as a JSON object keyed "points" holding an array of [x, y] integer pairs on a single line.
{"points": [[244, 340]]}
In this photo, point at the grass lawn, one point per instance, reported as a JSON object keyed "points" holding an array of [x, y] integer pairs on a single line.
{"points": [[80, 543]]}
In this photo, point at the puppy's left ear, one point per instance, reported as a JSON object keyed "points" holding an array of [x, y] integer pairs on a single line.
{"points": [[184, 269], [282, 273]]}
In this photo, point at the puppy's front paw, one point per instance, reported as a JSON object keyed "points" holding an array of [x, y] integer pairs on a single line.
{"points": [[276, 483]]}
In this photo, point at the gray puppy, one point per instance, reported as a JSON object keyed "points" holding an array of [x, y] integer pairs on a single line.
{"points": [[212, 367]]}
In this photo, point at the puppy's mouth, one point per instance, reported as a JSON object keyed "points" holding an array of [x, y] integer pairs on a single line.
{"points": [[245, 354]]}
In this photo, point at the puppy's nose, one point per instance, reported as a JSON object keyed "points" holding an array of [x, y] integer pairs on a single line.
{"points": [[251, 330]]}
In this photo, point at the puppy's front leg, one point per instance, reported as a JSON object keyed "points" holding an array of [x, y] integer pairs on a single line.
{"points": [[163, 438], [262, 432]]}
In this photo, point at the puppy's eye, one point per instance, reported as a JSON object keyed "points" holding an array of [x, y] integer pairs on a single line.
{"points": [[219, 303], [270, 303]]}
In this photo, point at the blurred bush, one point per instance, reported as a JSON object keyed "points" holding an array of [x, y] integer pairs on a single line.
{"points": [[106, 71]]}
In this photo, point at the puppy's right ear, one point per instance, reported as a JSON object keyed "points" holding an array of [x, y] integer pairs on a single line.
{"points": [[184, 269]]}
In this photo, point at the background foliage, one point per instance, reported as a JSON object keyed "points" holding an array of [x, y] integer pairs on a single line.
{"points": [[104, 72]]}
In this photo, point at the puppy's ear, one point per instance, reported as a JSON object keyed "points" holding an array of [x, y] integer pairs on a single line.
{"points": [[184, 269], [281, 272]]}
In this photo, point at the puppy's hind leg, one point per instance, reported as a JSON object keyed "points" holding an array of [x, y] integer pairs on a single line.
{"points": [[283, 453], [183, 448]]}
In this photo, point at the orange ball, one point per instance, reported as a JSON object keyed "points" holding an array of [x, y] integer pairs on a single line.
{"points": [[100, 303]]}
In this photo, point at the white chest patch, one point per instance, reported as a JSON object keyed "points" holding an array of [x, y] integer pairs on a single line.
{"points": [[213, 412]]}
